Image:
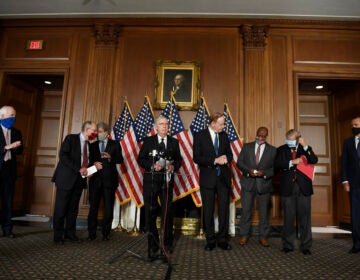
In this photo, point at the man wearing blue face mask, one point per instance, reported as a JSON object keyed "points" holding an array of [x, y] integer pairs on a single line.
{"points": [[295, 190], [10, 146]]}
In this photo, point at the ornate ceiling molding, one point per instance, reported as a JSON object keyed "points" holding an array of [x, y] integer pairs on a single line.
{"points": [[106, 34], [254, 36]]}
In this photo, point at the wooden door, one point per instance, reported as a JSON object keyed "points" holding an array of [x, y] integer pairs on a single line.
{"points": [[315, 128], [24, 98]]}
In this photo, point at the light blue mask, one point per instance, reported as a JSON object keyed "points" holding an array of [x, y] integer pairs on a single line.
{"points": [[291, 143], [8, 122]]}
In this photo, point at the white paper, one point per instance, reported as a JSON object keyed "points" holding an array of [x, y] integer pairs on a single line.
{"points": [[91, 170]]}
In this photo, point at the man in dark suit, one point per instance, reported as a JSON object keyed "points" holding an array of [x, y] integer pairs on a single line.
{"points": [[105, 154], [160, 157], [256, 162], [295, 190], [212, 152], [350, 177], [70, 180], [10, 146]]}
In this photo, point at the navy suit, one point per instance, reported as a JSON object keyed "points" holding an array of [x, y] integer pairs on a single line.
{"points": [[103, 184], [256, 186], [8, 178], [155, 186], [295, 191], [350, 171], [210, 182], [69, 186]]}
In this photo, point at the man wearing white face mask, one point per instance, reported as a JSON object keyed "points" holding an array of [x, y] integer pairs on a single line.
{"points": [[295, 190], [105, 154], [10, 146]]}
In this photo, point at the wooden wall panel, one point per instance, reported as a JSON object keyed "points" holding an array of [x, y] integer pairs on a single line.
{"points": [[335, 50]]}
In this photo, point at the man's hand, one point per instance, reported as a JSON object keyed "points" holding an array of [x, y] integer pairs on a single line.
{"points": [[221, 160], [346, 186], [13, 145], [302, 142], [105, 155], [83, 171], [98, 165], [297, 161]]}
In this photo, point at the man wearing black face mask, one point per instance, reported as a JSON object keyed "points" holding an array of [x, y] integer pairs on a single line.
{"points": [[256, 162], [295, 190], [350, 177], [10, 146]]}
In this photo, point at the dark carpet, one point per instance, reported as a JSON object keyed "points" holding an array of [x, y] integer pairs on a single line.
{"points": [[32, 255]]}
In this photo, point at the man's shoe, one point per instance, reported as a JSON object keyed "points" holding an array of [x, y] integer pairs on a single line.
{"points": [[225, 246], [106, 238], [306, 252], [354, 250], [92, 237], [243, 241], [264, 242], [59, 241], [209, 246], [9, 234], [72, 238], [287, 250]]}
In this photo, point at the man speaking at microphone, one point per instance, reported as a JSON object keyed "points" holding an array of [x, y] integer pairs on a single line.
{"points": [[160, 157]]}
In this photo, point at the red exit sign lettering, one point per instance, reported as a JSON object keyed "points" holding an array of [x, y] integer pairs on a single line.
{"points": [[35, 45]]}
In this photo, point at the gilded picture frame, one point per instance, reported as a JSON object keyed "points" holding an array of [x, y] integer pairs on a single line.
{"points": [[180, 78]]}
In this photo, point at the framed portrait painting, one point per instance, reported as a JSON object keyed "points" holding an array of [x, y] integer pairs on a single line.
{"points": [[180, 78]]}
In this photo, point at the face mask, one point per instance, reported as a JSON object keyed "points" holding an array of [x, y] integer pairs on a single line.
{"points": [[101, 136], [291, 143], [92, 136], [355, 130], [260, 141], [8, 122]]}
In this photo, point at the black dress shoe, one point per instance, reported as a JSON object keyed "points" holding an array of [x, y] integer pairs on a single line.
{"points": [[9, 234], [354, 250], [72, 238], [92, 237], [106, 237], [59, 241], [287, 250], [224, 246], [306, 252], [209, 246]]}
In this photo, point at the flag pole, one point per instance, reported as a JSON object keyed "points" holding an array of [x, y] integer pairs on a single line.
{"points": [[201, 234]]}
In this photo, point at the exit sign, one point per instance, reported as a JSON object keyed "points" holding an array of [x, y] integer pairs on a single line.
{"points": [[35, 45]]}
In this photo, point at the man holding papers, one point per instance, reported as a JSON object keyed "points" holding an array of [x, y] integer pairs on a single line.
{"points": [[296, 189], [70, 180]]}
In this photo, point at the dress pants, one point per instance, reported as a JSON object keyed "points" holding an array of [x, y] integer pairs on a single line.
{"points": [[297, 205], [355, 216], [208, 199], [66, 210], [7, 190], [247, 202]]}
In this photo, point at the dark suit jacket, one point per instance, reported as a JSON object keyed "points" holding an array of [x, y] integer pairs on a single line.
{"points": [[204, 156], [67, 169], [247, 161], [288, 175], [108, 176], [15, 135], [350, 164], [154, 181]]}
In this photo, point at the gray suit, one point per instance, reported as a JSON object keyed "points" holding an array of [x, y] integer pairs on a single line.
{"points": [[256, 186]]}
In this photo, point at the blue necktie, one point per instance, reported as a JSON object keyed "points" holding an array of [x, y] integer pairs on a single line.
{"points": [[216, 148], [102, 146]]}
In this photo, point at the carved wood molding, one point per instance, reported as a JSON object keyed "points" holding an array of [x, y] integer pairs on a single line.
{"points": [[106, 34], [254, 36]]}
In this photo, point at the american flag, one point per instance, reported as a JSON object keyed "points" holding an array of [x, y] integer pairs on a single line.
{"points": [[143, 126], [187, 178], [200, 122], [236, 146], [120, 128]]}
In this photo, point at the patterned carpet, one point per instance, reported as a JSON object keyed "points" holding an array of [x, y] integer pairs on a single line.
{"points": [[32, 255]]}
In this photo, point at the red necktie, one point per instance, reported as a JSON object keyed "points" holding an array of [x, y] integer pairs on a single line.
{"points": [[85, 156], [293, 153]]}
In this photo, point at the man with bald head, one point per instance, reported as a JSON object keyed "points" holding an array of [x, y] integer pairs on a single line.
{"points": [[256, 162], [10, 146]]}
